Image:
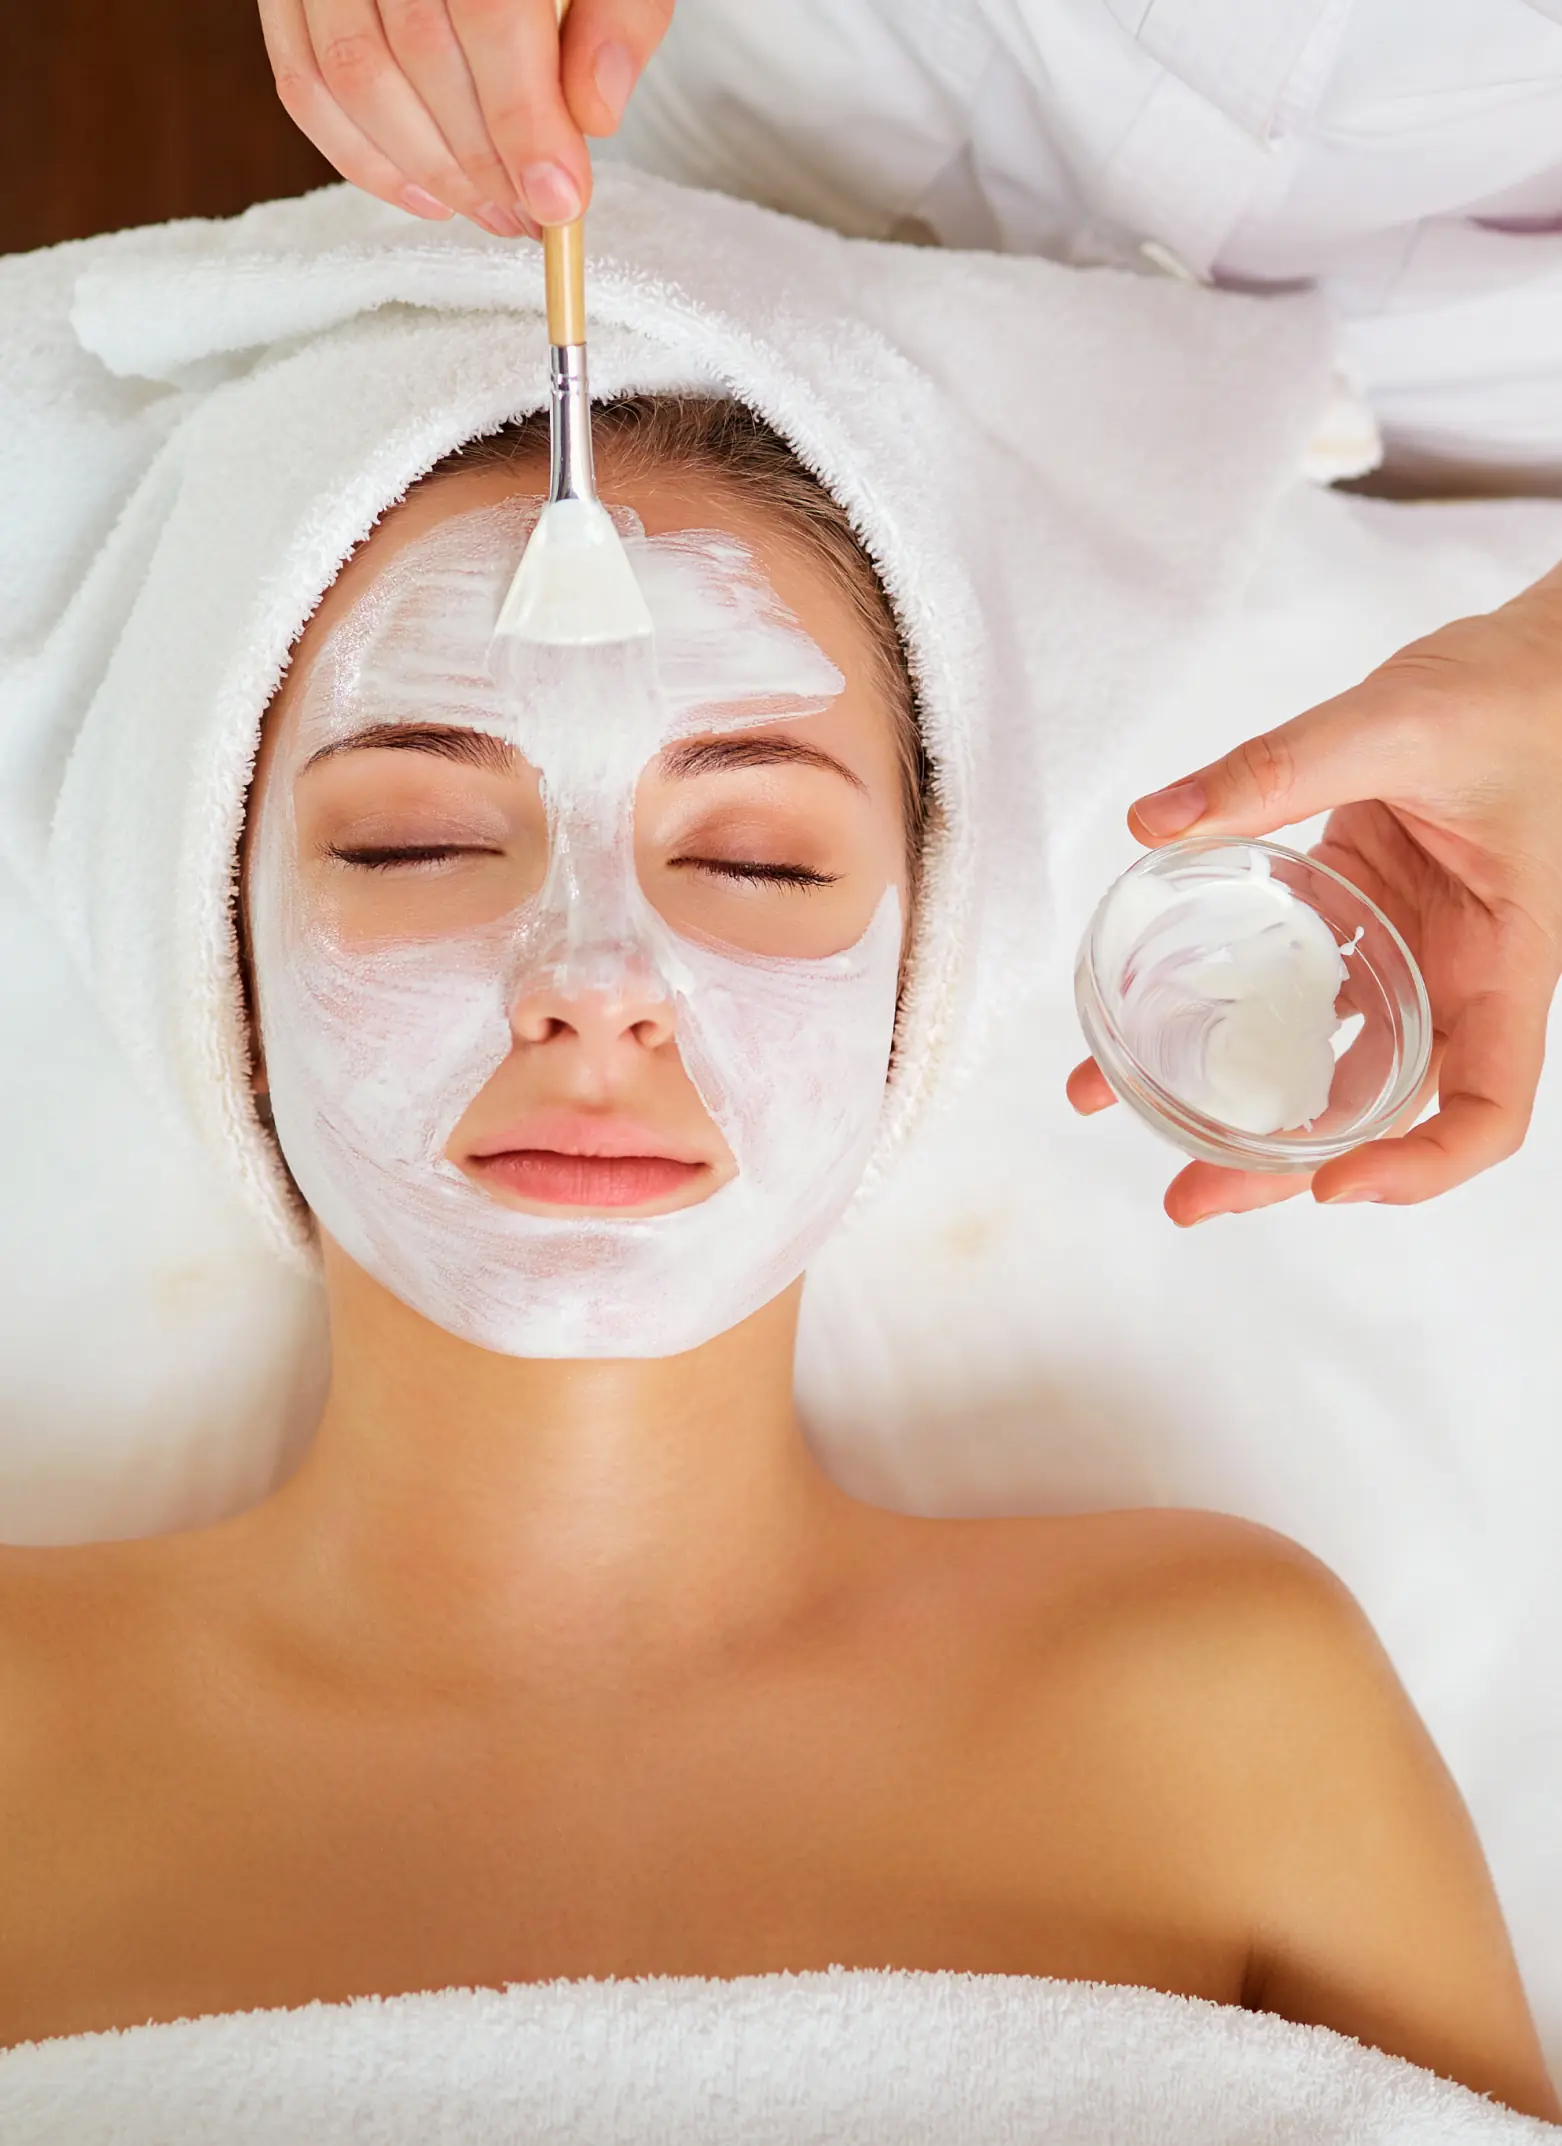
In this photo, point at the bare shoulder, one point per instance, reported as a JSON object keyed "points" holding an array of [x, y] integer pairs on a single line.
{"points": [[1234, 1673], [83, 1629], [1247, 1657], [1243, 1658], [74, 1624], [1176, 1593], [1210, 1668], [54, 1605], [1211, 1591], [41, 1599], [1200, 1663], [44, 1623], [53, 1596], [1256, 1648]]}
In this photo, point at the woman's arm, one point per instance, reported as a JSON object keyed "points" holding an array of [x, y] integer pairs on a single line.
{"points": [[1373, 1910]]}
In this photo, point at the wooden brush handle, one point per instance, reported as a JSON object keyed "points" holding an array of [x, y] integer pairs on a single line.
{"points": [[564, 269], [564, 273]]}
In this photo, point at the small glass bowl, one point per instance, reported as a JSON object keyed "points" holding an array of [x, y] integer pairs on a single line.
{"points": [[1376, 1078]]}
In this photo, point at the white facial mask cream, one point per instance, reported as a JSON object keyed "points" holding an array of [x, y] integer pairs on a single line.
{"points": [[1225, 992], [373, 1054]]}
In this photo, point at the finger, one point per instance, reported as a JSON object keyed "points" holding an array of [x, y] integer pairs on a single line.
{"points": [[1086, 1088], [360, 72], [512, 54], [1362, 744], [1490, 1071], [1333, 1181], [426, 48], [1204, 1190], [606, 45], [313, 110]]}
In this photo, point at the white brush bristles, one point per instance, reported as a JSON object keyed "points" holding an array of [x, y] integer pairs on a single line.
{"points": [[574, 586]]}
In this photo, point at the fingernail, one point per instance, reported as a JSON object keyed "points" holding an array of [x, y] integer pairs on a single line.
{"points": [[1213, 1216], [421, 204], [526, 221], [550, 194], [501, 222], [614, 76], [1351, 1192], [1169, 812]]}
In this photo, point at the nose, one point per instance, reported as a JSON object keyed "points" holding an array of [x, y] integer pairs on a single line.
{"points": [[603, 1006]]}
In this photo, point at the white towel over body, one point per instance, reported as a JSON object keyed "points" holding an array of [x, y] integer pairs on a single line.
{"points": [[835, 2059]]}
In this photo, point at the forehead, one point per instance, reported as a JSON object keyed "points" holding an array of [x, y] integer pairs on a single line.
{"points": [[404, 638]]}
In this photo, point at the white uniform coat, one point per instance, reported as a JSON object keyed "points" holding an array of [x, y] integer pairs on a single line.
{"points": [[1404, 155]]}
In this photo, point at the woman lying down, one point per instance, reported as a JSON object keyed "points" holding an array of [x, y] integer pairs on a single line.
{"points": [[573, 1006]]}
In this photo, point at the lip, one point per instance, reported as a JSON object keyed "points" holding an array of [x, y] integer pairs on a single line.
{"points": [[579, 1132], [570, 1159], [555, 1179]]}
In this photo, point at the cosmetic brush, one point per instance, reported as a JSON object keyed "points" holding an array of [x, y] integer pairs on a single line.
{"points": [[574, 586]]}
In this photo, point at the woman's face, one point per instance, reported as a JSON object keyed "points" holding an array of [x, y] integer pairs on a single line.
{"points": [[762, 856]]}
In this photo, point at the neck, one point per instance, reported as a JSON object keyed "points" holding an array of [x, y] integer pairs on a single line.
{"points": [[454, 1500]]}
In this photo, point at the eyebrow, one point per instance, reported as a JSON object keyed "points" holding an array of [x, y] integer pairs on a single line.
{"points": [[473, 748], [481, 749], [704, 756]]}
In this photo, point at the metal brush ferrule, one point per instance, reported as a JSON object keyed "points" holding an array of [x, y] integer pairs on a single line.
{"points": [[571, 474]]}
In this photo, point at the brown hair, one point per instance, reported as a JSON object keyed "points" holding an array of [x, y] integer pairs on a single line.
{"points": [[724, 440]]}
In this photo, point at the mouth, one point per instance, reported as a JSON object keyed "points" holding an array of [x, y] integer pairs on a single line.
{"points": [[555, 1179], [558, 1162]]}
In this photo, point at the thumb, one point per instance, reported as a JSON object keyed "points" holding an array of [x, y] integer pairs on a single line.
{"points": [[1339, 753]]}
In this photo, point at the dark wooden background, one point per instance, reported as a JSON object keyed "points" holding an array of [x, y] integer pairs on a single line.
{"points": [[116, 112]]}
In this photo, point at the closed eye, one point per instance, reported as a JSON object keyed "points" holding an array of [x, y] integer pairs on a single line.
{"points": [[751, 873], [747, 872], [410, 855]]}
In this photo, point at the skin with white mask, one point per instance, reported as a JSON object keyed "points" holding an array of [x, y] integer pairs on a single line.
{"points": [[1225, 991], [375, 1050]]}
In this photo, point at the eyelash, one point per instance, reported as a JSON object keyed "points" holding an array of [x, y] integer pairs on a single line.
{"points": [[383, 860], [758, 875], [750, 875]]}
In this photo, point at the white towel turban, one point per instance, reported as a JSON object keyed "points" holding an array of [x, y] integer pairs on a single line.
{"points": [[1058, 474]]}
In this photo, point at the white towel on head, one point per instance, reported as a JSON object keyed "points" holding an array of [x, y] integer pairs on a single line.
{"points": [[834, 2059], [1015, 443]]}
